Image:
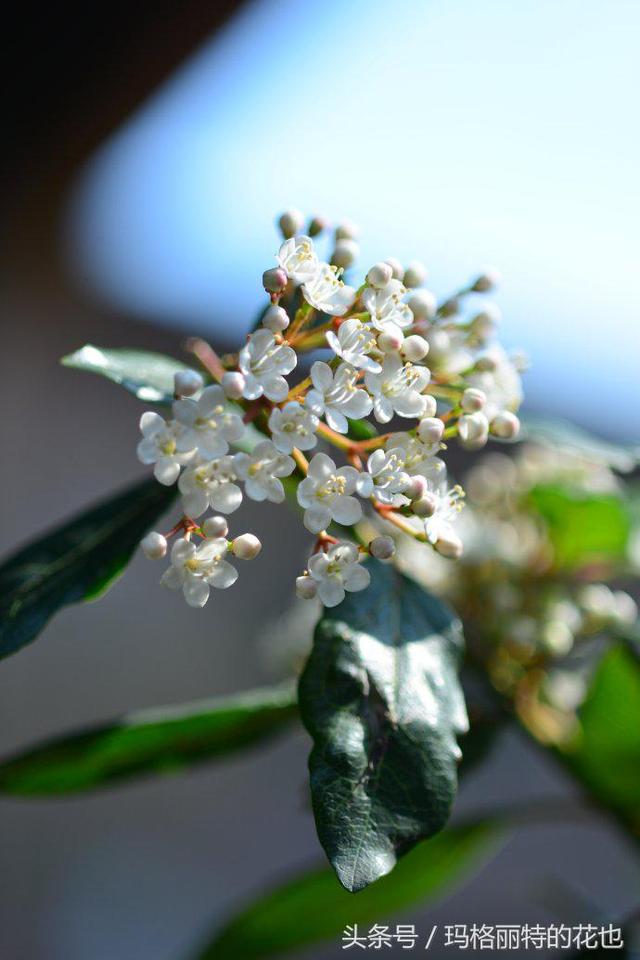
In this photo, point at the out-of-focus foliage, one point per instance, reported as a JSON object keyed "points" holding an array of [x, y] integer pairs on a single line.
{"points": [[312, 906], [156, 741]]}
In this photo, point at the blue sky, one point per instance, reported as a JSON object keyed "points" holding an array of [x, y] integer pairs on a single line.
{"points": [[461, 133]]}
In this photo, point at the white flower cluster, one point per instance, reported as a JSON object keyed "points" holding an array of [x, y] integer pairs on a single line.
{"points": [[377, 338]]}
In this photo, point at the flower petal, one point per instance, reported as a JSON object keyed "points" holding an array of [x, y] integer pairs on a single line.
{"points": [[196, 592], [346, 510]]}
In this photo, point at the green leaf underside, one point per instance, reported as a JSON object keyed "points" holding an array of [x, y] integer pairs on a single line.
{"points": [[154, 741], [76, 562], [313, 907], [605, 754], [583, 527], [381, 698], [148, 376]]}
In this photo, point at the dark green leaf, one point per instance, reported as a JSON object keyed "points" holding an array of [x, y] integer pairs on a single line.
{"points": [[155, 741], [583, 527], [381, 698], [313, 906], [605, 753], [77, 561], [149, 376]]}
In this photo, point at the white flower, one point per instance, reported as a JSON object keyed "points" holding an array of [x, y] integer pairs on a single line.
{"points": [[337, 570], [327, 293], [449, 349], [386, 305], [325, 493], [397, 389], [448, 504], [209, 425], [195, 569], [260, 471], [419, 458], [165, 445], [264, 364], [353, 342], [388, 477], [336, 396], [502, 385], [299, 259], [293, 426], [210, 484]]}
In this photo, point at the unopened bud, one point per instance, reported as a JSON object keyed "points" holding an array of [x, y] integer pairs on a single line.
{"points": [[415, 274], [505, 425], [626, 609], [417, 487], [291, 223], [486, 364], [431, 406], [274, 280], [449, 546], [345, 253], [306, 588], [246, 546], [391, 338], [473, 430], [187, 382], [422, 304], [556, 637], [450, 307], [425, 506], [382, 548], [483, 325], [233, 383], [430, 430], [275, 319], [215, 527], [316, 226], [473, 400], [154, 545], [379, 275], [347, 230], [397, 270], [486, 281], [415, 348]]}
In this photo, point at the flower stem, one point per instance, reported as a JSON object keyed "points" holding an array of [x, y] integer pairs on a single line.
{"points": [[207, 357]]}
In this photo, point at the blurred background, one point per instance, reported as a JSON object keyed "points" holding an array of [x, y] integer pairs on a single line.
{"points": [[148, 148]]}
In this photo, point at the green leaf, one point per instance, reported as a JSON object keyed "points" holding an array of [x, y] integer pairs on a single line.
{"points": [[381, 698], [361, 430], [312, 906], [155, 741], [583, 527], [605, 753], [148, 376], [77, 561]]}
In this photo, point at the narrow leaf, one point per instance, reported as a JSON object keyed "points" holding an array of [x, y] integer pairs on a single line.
{"points": [[605, 753], [381, 698], [312, 906], [149, 376], [155, 741], [77, 561], [583, 527]]}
